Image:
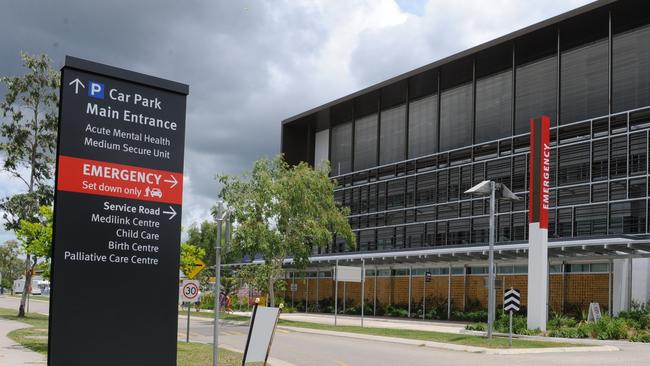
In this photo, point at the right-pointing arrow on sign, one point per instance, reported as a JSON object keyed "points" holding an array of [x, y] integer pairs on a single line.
{"points": [[171, 213], [173, 181]]}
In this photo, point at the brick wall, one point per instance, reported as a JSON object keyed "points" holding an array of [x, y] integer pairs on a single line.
{"points": [[565, 290]]}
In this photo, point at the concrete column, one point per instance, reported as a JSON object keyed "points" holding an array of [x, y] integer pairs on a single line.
{"points": [[374, 295], [464, 287], [630, 263], [610, 283], [641, 280], [537, 276], [449, 294], [410, 282]]}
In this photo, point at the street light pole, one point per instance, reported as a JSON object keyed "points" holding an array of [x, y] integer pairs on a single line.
{"points": [[217, 292], [221, 214], [491, 299], [491, 188]]}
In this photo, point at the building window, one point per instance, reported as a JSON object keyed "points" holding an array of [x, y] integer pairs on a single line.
{"points": [[365, 142], [564, 222], [341, 149], [627, 217], [480, 230], [573, 164], [599, 192], [395, 197], [637, 188], [600, 161], [573, 195], [415, 236], [392, 138], [631, 69], [456, 117], [591, 220], [494, 107], [423, 126], [426, 189], [536, 93], [618, 190], [638, 153], [584, 82], [618, 157], [385, 239]]}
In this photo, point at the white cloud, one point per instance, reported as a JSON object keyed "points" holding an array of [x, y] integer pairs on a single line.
{"points": [[251, 64]]}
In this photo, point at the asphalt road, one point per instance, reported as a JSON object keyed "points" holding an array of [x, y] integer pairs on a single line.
{"points": [[323, 350]]}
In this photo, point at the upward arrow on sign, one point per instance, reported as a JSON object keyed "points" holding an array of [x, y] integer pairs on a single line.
{"points": [[198, 267]]}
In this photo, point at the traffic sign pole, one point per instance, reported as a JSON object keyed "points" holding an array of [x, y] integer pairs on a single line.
{"points": [[510, 335], [187, 337]]}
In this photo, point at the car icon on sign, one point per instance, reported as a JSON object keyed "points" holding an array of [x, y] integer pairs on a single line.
{"points": [[156, 192]]}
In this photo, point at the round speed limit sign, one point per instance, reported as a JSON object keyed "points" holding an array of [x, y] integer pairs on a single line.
{"points": [[190, 291]]}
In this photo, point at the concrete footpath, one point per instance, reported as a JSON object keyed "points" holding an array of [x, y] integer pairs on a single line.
{"points": [[376, 322], [11, 353]]}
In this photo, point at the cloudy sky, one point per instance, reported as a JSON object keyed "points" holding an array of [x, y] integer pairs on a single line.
{"points": [[252, 63]]}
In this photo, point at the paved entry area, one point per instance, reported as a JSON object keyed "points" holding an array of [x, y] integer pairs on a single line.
{"points": [[13, 354]]}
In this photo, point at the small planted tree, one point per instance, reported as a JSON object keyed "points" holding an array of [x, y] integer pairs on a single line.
{"points": [[35, 238], [28, 139], [283, 212]]}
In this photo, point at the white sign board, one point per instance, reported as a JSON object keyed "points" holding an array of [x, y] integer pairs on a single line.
{"points": [[348, 274], [190, 291], [294, 287], [594, 312], [261, 333]]}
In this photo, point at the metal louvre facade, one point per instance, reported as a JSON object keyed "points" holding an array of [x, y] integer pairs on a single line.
{"points": [[404, 151]]}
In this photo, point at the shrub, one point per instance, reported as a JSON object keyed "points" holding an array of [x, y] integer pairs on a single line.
{"points": [[481, 327], [561, 321], [207, 300], [470, 316], [519, 325], [567, 332], [638, 315], [606, 328], [641, 337], [397, 310]]}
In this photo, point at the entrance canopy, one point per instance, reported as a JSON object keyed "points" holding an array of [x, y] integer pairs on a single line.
{"points": [[594, 248]]}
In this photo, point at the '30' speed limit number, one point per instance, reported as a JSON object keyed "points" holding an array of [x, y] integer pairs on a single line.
{"points": [[190, 291]]}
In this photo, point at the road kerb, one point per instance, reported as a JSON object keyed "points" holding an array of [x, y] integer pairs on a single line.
{"points": [[272, 361], [451, 346]]}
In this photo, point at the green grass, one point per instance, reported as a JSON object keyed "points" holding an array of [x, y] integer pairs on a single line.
{"points": [[461, 339], [189, 354]]}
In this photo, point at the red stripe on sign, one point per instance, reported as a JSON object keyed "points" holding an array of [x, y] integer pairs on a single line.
{"points": [[545, 189], [540, 171], [116, 180]]}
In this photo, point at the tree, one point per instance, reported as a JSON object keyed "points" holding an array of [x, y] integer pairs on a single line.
{"points": [[35, 239], [28, 135], [11, 266], [204, 236], [189, 255], [257, 276], [283, 212]]}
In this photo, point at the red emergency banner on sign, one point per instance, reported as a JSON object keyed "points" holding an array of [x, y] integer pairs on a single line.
{"points": [[540, 171], [117, 180]]}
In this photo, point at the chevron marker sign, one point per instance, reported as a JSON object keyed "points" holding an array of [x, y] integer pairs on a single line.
{"points": [[511, 300]]}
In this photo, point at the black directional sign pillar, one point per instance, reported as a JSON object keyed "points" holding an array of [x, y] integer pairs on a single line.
{"points": [[119, 188]]}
